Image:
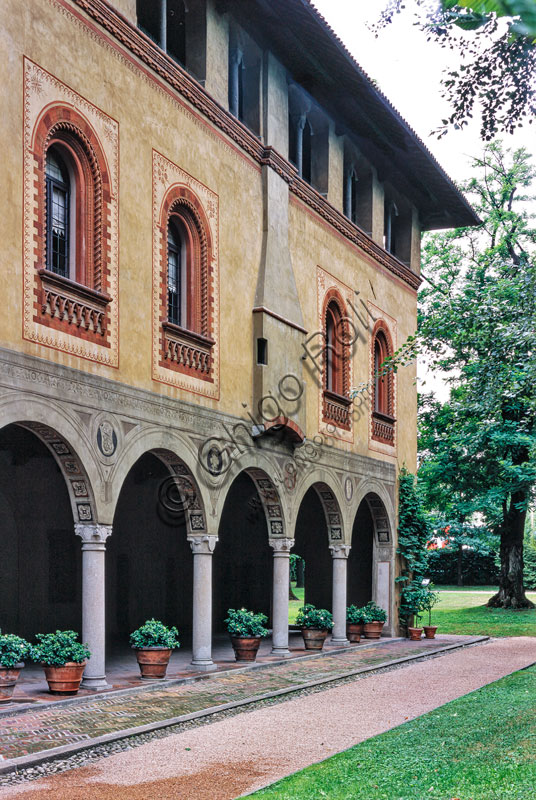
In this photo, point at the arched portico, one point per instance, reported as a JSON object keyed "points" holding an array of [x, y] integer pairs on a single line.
{"points": [[252, 557], [320, 541], [67, 588], [160, 554], [371, 561]]}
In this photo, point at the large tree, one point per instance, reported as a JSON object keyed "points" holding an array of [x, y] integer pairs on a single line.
{"points": [[496, 44], [477, 324]]}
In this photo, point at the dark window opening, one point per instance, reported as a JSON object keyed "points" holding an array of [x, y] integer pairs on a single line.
{"points": [[58, 196], [244, 79], [334, 350], [175, 276], [351, 196], [176, 30], [381, 379], [307, 152], [262, 351], [390, 227]]}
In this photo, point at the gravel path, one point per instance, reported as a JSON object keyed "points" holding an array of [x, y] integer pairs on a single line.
{"points": [[237, 755]]}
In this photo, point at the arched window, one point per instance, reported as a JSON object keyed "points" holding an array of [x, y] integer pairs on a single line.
{"points": [[333, 350], [187, 304], [336, 360], [175, 276], [383, 419], [381, 378], [58, 213]]}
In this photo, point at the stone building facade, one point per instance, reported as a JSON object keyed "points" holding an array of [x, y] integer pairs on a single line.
{"points": [[211, 226]]}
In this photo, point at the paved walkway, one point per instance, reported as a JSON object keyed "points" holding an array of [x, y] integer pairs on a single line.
{"points": [[239, 754], [74, 724]]}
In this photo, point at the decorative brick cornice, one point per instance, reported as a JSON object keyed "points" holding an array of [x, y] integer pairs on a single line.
{"points": [[271, 158], [151, 55]]}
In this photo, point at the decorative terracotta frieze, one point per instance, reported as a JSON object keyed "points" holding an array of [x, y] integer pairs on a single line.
{"points": [[70, 302], [336, 409], [383, 427]]}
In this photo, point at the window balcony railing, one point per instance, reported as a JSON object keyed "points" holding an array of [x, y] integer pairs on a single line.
{"points": [[383, 427], [187, 349], [337, 409], [73, 303]]}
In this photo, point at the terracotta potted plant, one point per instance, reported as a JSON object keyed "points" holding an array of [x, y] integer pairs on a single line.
{"points": [[154, 643], [13, 651], [315, 624], [355, 619], [246, 630], [63, 659], [411, 605], [429, 601], [374, 620]]}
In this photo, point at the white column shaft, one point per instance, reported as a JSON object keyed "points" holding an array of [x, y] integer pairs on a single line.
{"points": [[93, 601], [281, 583], [340, 556], [202, 548]]}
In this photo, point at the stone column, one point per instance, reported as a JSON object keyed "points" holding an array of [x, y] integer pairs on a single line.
{"points": [[93, 538], [281, 548], [202, 548], [340, 554]]}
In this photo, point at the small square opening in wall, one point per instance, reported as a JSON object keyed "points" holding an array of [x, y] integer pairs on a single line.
{"points": [[262, 351]]}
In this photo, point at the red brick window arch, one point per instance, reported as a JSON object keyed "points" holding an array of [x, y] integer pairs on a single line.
{"points": [[72, 241], [186, 280], [383, 419], [336, 403]]}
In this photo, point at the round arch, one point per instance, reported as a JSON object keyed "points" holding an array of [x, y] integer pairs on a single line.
{"points": [[371, 563], [183, 491], [268, 479], [69, 448], [331, 499], [251, 519]]}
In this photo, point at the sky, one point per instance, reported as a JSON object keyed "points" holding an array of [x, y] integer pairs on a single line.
{"points": [[408, 70]]}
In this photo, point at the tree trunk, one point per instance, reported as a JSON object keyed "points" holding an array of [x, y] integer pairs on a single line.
{"points": [[291, 595], [300, 573], [459, 565], [511, 592]]}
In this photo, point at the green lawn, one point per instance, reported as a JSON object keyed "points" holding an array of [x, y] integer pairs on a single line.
{"points": [[463, 610], [479, 747], [294, 605]]}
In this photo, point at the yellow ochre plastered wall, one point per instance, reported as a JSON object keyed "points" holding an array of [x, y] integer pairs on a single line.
{"points": [[152, 117]]}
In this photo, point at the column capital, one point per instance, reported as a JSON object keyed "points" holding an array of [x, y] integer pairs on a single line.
{"points": [[281, 547], [340, 550], [204, 544], [93, 535]]}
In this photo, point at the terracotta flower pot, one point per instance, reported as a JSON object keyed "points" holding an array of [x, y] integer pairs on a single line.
{"points": [[245, 647], [314, 638], [430, 631], [415, 634], [373, 630], [8, 678], [354, 631], [153, 662], [64, 679]]}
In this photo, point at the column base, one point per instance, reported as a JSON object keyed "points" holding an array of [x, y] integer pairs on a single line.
{"points": [[203, 665], [281, 652], [339, 643], [95, 684]]}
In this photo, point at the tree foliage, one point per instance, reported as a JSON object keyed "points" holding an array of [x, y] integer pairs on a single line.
{"points": [[477, 323], [496, 42]]}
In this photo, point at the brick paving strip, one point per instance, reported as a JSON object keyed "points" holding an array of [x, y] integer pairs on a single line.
{"points": [[29, 737]]}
